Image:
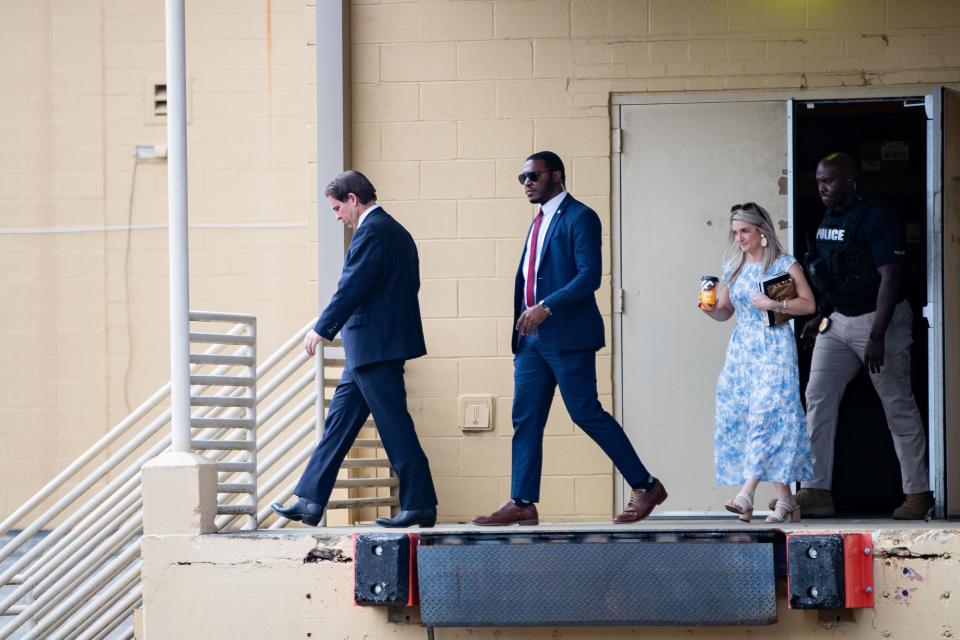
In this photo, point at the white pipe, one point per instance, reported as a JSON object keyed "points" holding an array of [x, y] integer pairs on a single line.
{"points": [[177, 216], [105, 468], [102, 495], [56, 561], [287, 396], [79, 618], [68, 616], [114, 616], [106, 572], [282, 522], [89, 541], [295, 340], [69, 600], [262, 466], [320, 389], [282, 425], [288, 370], [86, 457], [80, 576], [295, 461]]}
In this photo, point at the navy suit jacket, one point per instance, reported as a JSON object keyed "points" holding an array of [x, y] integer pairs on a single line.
{"points": [[375, 307], [569, 274]]}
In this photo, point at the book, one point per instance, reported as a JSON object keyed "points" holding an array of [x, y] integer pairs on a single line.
{"points": [[779, 287]]}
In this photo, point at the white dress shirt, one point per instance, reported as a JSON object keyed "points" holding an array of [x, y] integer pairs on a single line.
{"points": [[549, 211], [364, 215]]}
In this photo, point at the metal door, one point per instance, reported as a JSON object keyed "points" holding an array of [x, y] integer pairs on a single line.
{"points": [[681, 167]]}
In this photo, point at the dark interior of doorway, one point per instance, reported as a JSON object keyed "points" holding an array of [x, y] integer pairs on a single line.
{"points": [[888, 140]]}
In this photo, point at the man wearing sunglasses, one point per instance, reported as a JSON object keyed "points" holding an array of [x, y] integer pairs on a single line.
{"points": [[557, 332]]}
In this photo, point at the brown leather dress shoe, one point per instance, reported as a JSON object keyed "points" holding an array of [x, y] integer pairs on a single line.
{"points": [[641, 504], [509, 513]]}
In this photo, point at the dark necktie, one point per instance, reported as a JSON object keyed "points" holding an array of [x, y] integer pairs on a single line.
{"points": [[532, 262]]}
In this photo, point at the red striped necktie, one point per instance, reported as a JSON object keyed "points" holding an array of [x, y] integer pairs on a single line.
{"points": [[532, 262]]}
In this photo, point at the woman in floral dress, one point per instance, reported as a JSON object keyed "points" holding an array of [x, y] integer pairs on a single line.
{"points": [[761, 432]]}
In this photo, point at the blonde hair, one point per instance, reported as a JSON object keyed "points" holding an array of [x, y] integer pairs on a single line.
{"points": [[754, 214]]}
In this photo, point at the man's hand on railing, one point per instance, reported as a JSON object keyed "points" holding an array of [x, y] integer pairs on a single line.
{"points": [[311, 340]]}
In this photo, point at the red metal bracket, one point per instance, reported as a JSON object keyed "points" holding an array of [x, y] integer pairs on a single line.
{"points": [[858, 570], [830, 570], [413, 595]]}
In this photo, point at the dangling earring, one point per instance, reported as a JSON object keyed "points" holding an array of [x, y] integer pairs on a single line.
{"points": [[763, 241]]}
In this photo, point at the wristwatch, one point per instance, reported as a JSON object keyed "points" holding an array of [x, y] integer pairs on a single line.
{"points": [[876, 336], [543, 306]]}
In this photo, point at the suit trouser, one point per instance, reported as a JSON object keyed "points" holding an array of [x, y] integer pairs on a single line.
{"points": [[376, 388], [837, 358], [537, 373]]}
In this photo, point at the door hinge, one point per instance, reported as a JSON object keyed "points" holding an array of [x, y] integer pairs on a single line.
{"points": [[929, 314], [616, 140], [618, 301]]}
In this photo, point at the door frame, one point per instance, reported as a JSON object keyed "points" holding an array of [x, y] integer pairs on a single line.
{"points": [[933, 311]]}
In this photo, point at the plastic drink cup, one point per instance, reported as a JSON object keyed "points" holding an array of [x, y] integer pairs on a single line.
{"points": [[708, 291]]}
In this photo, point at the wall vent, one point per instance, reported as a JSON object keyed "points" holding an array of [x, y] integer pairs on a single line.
{"points": [[155, 100], [160, 100]]}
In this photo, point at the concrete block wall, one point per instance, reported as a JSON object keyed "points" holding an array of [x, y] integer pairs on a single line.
{"points": [[449, 97], [83, 301]]}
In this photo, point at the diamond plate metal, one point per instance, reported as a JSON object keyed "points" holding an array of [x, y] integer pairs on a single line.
{"points": [[520, 583]]}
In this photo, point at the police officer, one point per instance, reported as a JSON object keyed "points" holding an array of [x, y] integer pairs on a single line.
{"points": [[862, 320]]}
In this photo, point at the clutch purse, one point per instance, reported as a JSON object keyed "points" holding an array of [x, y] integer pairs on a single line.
{"points": [[779, 287]]}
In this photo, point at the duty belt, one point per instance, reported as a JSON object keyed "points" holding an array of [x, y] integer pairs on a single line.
{"points": [[857, 309]]}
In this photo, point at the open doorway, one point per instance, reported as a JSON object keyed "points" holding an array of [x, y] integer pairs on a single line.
{"points": [[888, 138]]}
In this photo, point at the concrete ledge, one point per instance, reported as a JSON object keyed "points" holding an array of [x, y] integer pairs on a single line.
{"points": [[298, 583]]}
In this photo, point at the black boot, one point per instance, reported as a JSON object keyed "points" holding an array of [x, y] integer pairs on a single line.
{"points": [[422, 517], [302, 510]]}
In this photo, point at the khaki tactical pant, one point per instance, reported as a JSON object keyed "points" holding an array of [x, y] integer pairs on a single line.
{"points": [[837, 358]]}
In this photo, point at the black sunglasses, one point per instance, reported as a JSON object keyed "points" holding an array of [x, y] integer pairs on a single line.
{"points": [[746, 206], [532, 176]]}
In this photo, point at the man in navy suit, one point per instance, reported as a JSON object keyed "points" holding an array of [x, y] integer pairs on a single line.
{"points": [[557, 332], [376, 310]]}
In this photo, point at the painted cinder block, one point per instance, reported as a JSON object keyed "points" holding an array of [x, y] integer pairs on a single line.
{"points": [[460, 337], [486, 298], [384, 23], [418, 62], [419, 140], [495, 138], [494, 60], [458, 179], [500, 218], [424, 219], [450, 21], [457, 258], [532, 19], [485, 455], [552, 58], [591, 18], [457, 101]]}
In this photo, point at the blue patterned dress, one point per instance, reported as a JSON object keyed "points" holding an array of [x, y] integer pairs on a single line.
{"points": [[761, 431]]}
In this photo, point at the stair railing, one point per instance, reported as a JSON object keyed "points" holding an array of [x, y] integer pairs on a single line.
{"points": [[82, 579]]}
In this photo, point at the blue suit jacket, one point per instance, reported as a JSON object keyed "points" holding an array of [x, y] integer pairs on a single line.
{"points": [[375, 306], [569, 274]]}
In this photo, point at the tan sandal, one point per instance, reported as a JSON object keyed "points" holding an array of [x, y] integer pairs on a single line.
{"points": [[785, 512], [742, 505]]}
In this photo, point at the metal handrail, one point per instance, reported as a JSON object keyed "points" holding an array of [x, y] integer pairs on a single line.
{"points": [[82, 579]]}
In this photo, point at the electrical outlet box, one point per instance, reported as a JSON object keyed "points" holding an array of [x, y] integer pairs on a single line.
{"points": [[476, 412]]}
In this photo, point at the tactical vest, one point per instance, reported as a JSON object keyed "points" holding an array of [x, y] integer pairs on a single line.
{"points": [[846, 271]]}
